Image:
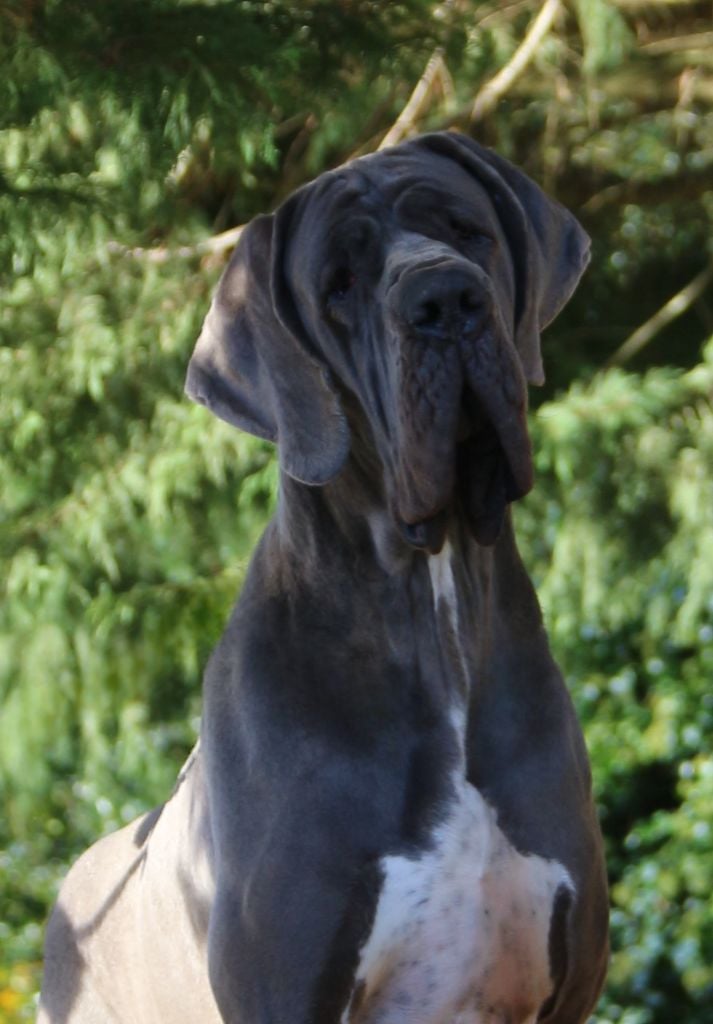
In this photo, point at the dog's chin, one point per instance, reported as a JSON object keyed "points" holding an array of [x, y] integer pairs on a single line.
{"points": [[492, 469], [427, 534]]}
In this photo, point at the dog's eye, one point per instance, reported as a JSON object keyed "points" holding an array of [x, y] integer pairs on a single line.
{"points": [[465, 232], [341, 283]]}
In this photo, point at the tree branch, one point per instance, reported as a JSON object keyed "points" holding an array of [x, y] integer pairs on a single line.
{"points": [[675, 306], [402, 127], [405, 123], [671, 44], [161, 253], [495, 89], [635, 5]]}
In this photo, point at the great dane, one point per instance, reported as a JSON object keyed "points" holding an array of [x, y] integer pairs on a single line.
{"points": [[388, 818]]}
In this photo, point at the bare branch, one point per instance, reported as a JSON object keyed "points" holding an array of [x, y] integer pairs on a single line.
{"points": [[502, 13], [219, 243], [434, 73], [675, 306], [161, 254], [637, 5], [671, 44], [495, 89], [405, 123]]}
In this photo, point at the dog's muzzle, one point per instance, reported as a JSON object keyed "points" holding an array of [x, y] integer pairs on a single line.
{"points": [[463, 437]]}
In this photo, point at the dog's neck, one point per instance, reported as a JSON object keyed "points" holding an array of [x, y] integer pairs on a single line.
{"points": [[349, 520], [346, 527]]}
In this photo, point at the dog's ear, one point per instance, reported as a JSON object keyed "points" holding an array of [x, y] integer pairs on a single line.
{"points": [[252, 368], [549, 248]]}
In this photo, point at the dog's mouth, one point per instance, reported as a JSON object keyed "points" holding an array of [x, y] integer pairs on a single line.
{"points": [[492, 468]]}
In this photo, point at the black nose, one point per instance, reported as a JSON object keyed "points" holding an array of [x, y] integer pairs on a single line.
{"points": [[442, 302]]}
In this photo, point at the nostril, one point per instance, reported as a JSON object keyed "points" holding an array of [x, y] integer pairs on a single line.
{"points": [[469, 302], [428, 314]]}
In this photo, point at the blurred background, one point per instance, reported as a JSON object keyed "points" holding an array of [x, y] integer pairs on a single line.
{"points": [[133, 135]]}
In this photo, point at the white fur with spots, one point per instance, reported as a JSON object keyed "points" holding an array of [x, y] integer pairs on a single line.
{"points": [[461, 931]]}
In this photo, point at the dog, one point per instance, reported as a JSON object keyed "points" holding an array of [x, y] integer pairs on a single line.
{"points": [[388, 818]]}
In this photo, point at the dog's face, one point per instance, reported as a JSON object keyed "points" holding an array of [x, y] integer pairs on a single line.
{"points": [[409, 289]]}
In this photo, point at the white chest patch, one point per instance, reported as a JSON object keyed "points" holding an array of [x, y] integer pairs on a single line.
{"points": [[461, 931]]}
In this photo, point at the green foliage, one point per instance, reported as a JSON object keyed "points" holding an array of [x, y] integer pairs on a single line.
{"points": [[131, 131], [607, 40], [619, 535]]}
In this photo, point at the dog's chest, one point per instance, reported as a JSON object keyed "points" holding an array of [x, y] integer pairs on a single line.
{"points": [[461, 929], [460, 934]]}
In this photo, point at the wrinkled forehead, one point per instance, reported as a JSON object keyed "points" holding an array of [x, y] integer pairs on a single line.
{"points": [[392, 189]]}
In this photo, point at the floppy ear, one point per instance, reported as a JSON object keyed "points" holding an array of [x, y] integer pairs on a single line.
{"points": [[251, 368], [549, 248]]}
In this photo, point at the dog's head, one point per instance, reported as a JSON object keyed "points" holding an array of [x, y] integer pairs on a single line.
{"points": [[408, 288]]}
